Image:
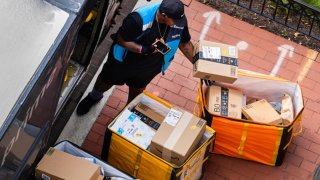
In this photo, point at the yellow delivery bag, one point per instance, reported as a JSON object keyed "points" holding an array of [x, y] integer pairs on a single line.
{"points": [[142, 164]]}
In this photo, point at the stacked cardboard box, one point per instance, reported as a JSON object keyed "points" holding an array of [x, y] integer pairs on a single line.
{"points": [[219, 62], [215, 61], [224, 101], [173, 137], [177, 136], [232, 103]]}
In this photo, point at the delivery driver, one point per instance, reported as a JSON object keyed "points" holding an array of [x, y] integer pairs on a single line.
{"points": [[133, 59]]}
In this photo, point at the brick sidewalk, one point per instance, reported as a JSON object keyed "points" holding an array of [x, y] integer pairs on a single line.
{"points": [[259, 51]]}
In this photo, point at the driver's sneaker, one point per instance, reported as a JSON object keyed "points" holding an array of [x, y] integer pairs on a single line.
{"points": [[86, 104]]}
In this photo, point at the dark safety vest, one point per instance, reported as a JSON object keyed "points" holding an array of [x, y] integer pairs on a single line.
{"points": [[147, 15]]}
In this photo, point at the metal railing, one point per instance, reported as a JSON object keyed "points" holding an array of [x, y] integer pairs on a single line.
{"points": [[294, 14]]}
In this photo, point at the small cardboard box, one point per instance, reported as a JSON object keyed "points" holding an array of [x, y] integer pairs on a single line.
{"points": [[215, 61], [223, 101], [148, 115], [58, 165], [107, 170], [177, 136], [261, 111]]}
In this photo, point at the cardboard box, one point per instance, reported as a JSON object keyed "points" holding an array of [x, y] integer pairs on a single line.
{"points": [[108, 170], [177, 136], [215, 61], [148, 115], [223, 101], [131, 127], [58, 165], [261, 111]]}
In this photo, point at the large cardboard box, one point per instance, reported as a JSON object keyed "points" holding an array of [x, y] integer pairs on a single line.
{"points": [[177, 136], [58, 165], [215, 61], [261, 111], [224, 101]]}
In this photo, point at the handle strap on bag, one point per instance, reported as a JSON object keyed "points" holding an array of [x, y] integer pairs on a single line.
{"points": [[194, 168], [197, 167], [293, 128], [243, 139], [199, 106], [137, 163], [300, 126], [276, 149], [198, 154]]}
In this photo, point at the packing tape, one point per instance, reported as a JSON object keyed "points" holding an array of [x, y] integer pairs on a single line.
{"points": [[243, 140], [175, 135], [276, 149]]}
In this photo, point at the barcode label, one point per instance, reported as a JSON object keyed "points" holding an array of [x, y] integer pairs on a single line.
{"points": [[211, 52], [224, 101], [173, 117], [200, 123], [222, 59]]}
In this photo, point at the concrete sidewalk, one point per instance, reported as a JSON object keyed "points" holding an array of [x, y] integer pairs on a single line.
{"points": [[260, 51]]}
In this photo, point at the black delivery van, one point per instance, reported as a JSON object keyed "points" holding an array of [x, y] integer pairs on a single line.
{"points": [[45, 47]]}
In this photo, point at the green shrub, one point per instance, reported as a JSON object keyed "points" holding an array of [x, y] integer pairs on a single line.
{"points": [[314, 3]]}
